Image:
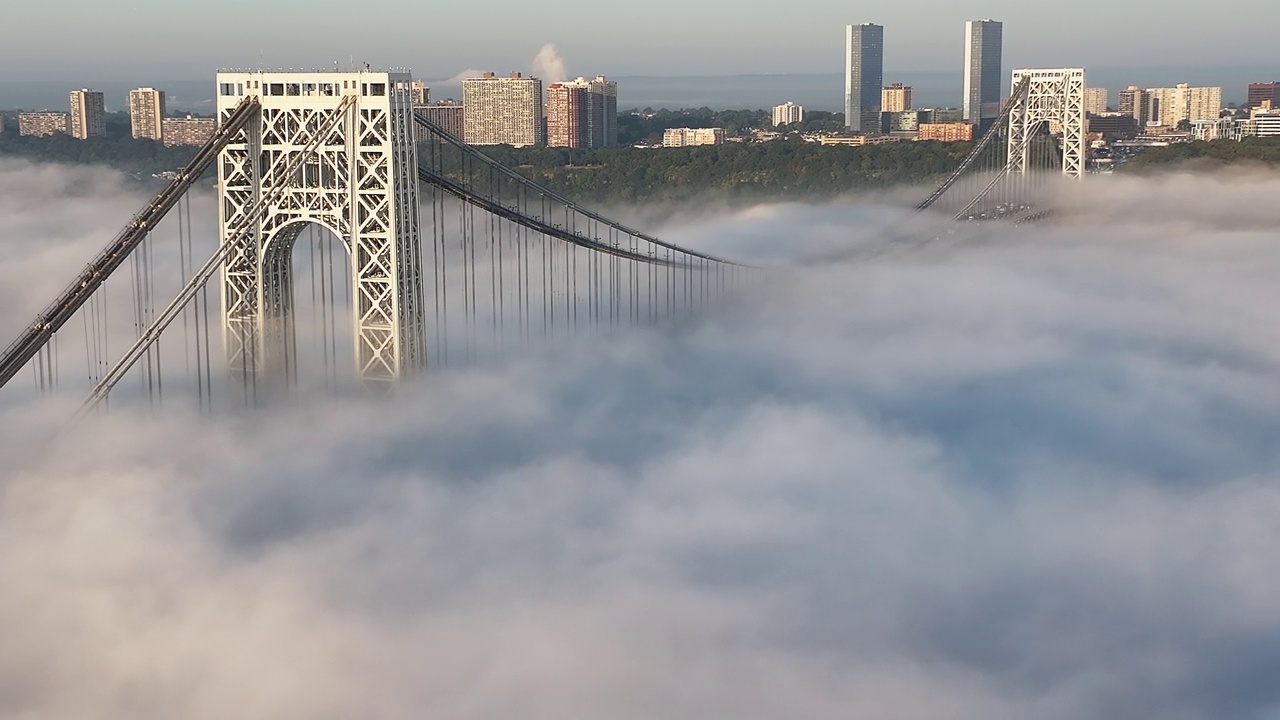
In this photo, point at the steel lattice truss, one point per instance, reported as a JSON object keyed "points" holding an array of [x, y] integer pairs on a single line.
{"points": [[1055, 97], [361, 184]]}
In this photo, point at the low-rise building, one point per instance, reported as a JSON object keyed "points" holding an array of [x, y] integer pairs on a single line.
{"points": [[38, 124], [857, 140], [945, 132], [1111, 123], [188, 130], [686, 137]]}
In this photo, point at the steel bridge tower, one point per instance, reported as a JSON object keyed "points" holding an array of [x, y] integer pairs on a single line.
{"points": [[1055, 97], [359, 182]]}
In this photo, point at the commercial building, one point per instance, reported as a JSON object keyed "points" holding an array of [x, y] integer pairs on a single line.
{"points": [[146, 113], [1264, 120], [685, 137], [1111, 123], [863, 76], [88, 114], [1136, 102], [1171, 106], [983, 52], [447, 114], [1262, 92], [502, 111], [43, 123], [1095, 100], [895, 98], [906, 122], [946, 132], [787, 113], [187, 130]]}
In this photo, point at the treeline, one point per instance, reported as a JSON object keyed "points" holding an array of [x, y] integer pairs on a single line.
{"points": [[789, 168], [1217, 152], [779, 169], [139, 157]]}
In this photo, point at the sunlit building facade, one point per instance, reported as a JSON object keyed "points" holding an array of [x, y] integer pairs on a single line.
{"points": [[502, 111], [88, 114], [146, 113]]}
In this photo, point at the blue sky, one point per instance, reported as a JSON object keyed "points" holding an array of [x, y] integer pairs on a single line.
{"points": [[182, 39]]}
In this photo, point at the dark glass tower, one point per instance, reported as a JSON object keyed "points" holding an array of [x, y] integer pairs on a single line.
{"points": [[863, 76], [982, 72]]}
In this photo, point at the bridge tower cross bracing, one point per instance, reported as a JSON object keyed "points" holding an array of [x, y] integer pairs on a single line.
{"points": [[361, 184], [1055, 97]]}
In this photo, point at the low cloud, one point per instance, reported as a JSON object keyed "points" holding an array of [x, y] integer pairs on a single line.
{"points": [[548, 65], [1028, 474]]}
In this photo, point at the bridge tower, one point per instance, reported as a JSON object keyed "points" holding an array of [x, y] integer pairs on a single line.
{"points": [[1055, 97], [360, 183]]}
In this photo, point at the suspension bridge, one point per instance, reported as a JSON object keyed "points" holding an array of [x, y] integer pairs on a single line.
{"points": [[346, 250]]}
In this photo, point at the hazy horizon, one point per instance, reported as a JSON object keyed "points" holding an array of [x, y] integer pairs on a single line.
{"points": [[815, 91]]}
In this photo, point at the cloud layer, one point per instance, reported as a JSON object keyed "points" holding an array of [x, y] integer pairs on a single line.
{"points": [[1025, 474]]}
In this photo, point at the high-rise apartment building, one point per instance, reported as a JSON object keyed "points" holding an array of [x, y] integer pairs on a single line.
{"points": [[187, 130], [983, 74], [1095, 100], [566, 115], [420, 93], [1136, 102], [863, 76], [146, 113], [502, 111], [582, 113], [446, 114], [1264, 91], [43, 123], [787, 113], [602, 112], [1170, 106], [88, 114], [895, 98]]}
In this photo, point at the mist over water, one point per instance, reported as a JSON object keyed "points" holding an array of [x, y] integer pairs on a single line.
{"points": [[1025, 473]]}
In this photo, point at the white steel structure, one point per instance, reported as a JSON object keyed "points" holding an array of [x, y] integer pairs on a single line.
{"points": [[360, 184], [1053, 97]]}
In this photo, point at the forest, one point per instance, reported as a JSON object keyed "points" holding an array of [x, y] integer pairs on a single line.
{"points": [[1264, 150]]}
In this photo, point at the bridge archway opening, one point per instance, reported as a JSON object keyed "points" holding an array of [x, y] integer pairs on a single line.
{"points": [[308, 302]]}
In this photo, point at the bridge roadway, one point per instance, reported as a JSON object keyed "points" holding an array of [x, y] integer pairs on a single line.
{"points": [[71, 299]]}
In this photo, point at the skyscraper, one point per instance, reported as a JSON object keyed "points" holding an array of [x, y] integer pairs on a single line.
{"points": [[863, 76], [502, 111], [88, 114], [984, 40], [146, 113]]}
